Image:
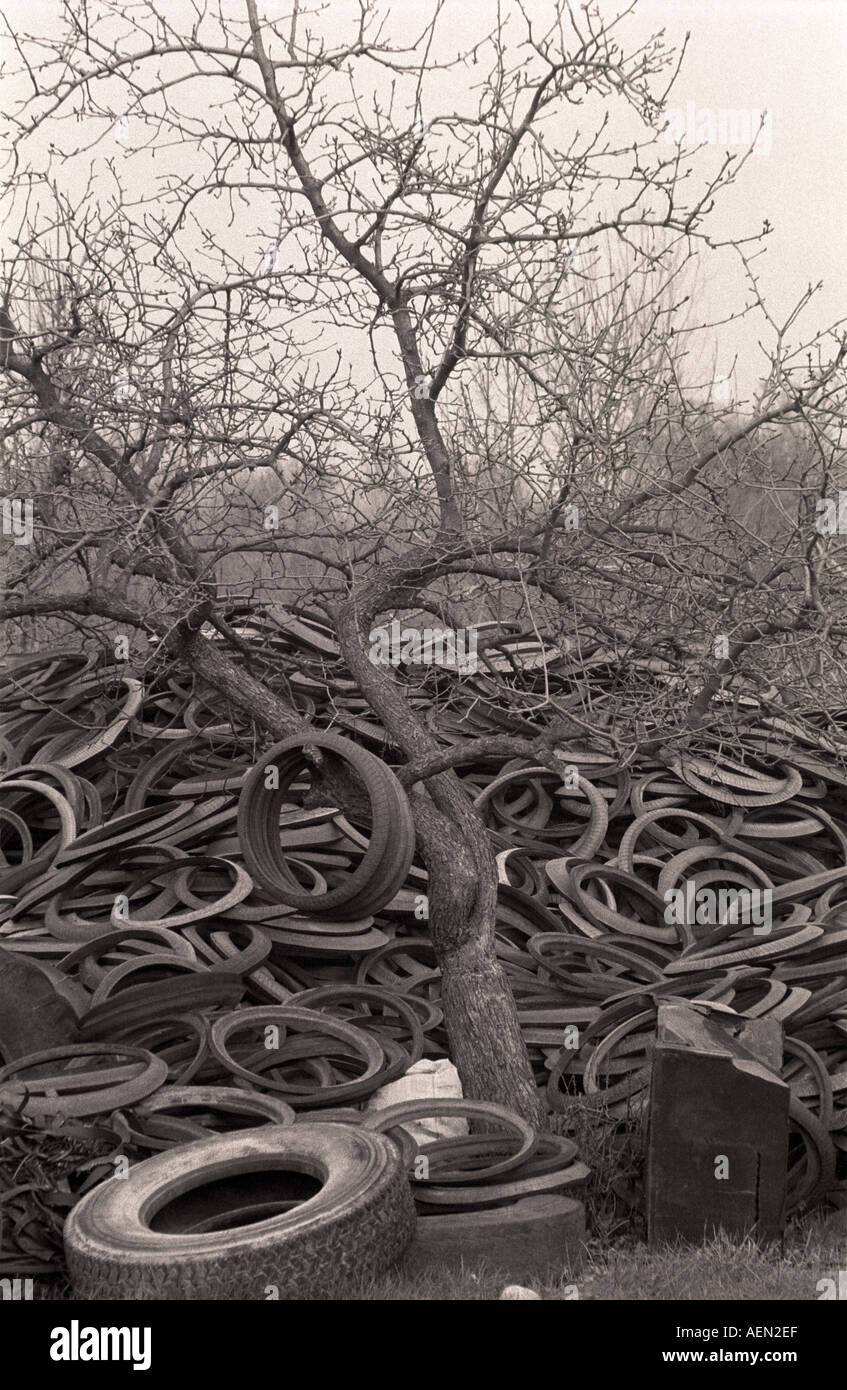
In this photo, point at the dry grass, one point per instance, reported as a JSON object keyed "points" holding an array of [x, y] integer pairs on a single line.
{"points": [[613, 1147]]}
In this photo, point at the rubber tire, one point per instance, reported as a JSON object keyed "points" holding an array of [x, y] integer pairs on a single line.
{"points": [[359, 1224], [33, 1016], [390, 846], [534, 1238]]}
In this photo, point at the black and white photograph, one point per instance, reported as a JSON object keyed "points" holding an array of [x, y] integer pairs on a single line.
{"points": [[423, 731]]}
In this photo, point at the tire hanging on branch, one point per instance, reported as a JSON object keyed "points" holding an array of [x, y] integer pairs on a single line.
{"points": [[385, 863]]}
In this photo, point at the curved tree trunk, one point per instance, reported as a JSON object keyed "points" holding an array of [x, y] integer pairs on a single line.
{"points": [[481, 1020], [480, 1015]]}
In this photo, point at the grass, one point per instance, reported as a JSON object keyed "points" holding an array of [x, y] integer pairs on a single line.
{"points": [[722, 1269]]}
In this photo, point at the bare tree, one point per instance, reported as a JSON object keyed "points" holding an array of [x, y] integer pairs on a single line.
{"points": [[302, 331]]}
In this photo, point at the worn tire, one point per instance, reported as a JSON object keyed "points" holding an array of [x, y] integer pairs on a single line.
{"points": [[359, 1223], [33, 1015], [389, 848]]}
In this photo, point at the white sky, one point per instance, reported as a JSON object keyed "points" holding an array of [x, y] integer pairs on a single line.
{"points": [[788, 57]]}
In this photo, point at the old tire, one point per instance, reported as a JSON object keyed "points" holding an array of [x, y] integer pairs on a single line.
{"points": [[531, 1239], [32, 1015], [389, 848], [359, 1223]]}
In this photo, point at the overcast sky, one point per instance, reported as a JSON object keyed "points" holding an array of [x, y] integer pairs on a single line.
{"points": [[789, 56], [786, 57]]}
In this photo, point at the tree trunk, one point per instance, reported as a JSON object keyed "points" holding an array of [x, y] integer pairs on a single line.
{"points": [[486, 1044], [245, 691]]}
